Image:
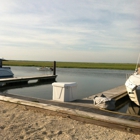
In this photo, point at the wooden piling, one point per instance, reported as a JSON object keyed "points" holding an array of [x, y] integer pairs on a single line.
{"points": [[54, 68], [0, 64]]}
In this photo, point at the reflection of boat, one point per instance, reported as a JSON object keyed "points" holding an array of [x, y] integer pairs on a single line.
{"points": [[5, 72], [45, 69], [133, 109], [133, 86]]}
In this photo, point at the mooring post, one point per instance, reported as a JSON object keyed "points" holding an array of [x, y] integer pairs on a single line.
{"points": [[54, 68], [0, 63]]}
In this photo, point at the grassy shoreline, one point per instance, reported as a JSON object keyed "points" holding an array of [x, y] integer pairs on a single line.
{"points": [[89, 65]]}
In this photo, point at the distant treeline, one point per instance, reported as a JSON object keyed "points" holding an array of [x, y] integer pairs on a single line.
{"points": [[89, 65]]}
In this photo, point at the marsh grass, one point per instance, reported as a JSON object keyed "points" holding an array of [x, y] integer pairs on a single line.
{"points": [[90, 65]]}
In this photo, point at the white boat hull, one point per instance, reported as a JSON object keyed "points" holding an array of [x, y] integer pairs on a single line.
{"points": [[133, 88], [45, 69]]}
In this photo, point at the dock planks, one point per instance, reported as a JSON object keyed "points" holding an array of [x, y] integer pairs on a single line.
{"points": [[25, 80], [115, 93], [93, 115]]}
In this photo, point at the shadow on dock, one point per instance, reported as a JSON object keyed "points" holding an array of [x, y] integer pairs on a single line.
{"points": [[133, 109]]}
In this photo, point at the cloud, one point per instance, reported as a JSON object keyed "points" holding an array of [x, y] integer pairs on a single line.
{"points": [[70, 26]]}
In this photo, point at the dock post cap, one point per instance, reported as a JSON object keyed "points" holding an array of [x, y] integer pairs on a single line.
{"points": [[64, 84]]}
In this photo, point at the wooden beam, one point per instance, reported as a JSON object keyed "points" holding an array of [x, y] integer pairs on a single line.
{"points": [[122, 122], [24, 80], [54, 68]]}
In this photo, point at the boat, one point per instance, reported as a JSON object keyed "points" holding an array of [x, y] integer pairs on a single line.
{"points": [[132, 85], [45, 69], [5, 72]]}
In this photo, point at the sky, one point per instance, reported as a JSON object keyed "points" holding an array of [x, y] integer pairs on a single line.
{"points": [[70, 30]]}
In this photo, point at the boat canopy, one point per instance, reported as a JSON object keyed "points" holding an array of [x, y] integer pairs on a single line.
{"points": [[2, 59]]}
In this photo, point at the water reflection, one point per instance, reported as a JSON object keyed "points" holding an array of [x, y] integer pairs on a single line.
{"points": [[89, 81], [133, 109]]}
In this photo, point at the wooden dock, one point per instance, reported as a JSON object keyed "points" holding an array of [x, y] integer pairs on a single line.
{"points": [[25, 80], [115, 93], [83, 110]]}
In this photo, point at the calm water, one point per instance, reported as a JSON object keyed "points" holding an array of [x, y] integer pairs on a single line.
{"points": [[89, 81]]}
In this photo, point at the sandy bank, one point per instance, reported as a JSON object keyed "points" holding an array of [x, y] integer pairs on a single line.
{"points": [[19, 122]]}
